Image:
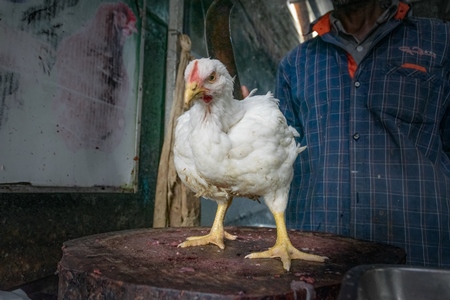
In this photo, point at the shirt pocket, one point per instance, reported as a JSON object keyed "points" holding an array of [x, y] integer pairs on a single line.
{"points": [[413, 70], [411, 92]]}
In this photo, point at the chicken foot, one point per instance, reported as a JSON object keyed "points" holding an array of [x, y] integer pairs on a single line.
{"points": [[283, 247], [217, 232]]}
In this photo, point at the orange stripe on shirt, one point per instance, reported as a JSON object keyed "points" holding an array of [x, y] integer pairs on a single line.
{"points": [[414, 66], [351, 65]]}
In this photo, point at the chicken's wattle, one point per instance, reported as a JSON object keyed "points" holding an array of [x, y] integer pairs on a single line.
{"points": [[207, 98]]}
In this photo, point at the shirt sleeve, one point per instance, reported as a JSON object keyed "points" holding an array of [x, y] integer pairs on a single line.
{"points": [[284, 92]]}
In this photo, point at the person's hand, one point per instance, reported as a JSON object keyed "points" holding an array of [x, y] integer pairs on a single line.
{"points": [[244, 91]]}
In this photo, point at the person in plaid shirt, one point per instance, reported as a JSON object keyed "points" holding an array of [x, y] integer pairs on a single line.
{"points": [[370, 97]]}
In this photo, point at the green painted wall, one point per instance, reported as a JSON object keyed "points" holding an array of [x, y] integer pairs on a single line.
{"points": [[33, 227]]}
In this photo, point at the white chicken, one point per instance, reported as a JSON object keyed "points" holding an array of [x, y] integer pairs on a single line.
{"points": [[225, 147]]}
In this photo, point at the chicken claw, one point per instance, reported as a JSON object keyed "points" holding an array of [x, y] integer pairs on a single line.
{"points": [[213, 237], [286, 252], [283, 247], [217, 233]]}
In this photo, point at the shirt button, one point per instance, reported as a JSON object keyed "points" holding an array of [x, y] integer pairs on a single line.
{"points": [[357, 84], [360, 48], [356, 136]]}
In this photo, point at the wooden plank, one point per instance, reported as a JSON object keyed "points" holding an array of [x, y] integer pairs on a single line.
{"points": [[218, 39]]}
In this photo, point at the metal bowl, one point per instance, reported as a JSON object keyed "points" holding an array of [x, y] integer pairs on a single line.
{"points": [[373, 282]]}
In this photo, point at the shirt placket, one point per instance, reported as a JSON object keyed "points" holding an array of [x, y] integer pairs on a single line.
{"points": [[359, 142], [360, 207]]}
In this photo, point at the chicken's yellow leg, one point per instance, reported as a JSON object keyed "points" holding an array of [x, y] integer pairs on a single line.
{"points": [[216, 234], [283, 247]]}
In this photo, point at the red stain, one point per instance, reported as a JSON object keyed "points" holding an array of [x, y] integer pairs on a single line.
{"points": [[97, 271], [307, 279]]}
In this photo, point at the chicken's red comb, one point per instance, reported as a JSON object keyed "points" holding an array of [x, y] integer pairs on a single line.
{"points": [[194, 76]]}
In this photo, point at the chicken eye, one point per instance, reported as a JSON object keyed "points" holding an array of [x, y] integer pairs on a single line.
{"points": [[212, 77]]}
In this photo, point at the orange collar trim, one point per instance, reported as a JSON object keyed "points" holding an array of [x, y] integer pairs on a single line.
{"points": [[402, 10], [323, 25]]}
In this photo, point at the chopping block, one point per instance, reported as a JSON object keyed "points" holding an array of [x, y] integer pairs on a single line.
{"points": [[146, 264]]}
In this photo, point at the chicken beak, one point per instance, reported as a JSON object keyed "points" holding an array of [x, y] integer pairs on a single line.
{"points": [[192, 90]]}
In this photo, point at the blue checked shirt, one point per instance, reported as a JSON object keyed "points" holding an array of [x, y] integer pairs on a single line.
{"points": [[377, 165]]}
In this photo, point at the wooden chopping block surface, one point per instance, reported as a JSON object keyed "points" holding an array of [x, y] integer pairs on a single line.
{"points": [[146, 264]]}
